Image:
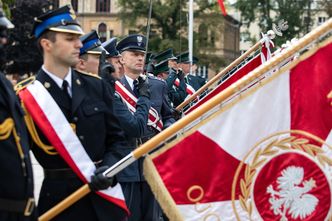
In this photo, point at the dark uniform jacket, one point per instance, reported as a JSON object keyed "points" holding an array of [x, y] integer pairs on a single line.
{"points": [[195, 81], [159, 101], [176, 94], [15, 173], [99, 132], [134, 126]]}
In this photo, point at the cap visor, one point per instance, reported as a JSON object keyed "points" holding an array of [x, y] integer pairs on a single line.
{"points": [[73, 29], [97, 50]]}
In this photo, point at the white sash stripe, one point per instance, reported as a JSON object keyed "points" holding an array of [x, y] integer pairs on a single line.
{"points": [[152, 112], [67, 136]]}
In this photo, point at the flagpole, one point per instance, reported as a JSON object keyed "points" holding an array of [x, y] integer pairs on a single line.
{"points": [[148, 27], [219, 75], [186, 120], [190, 34]]}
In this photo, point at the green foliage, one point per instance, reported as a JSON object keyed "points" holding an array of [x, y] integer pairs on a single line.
{"points": [[5, 6], [266, 12], [326, 5], [169, 22]]}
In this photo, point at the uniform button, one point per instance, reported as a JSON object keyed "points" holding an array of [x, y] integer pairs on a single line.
{"points": [[81, 137], [75, 119], [96, 108]]}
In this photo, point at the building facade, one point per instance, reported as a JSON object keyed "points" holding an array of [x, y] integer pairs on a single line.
{"points": [[219, 38]]}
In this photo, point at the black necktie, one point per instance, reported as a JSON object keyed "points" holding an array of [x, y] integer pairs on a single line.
{"points": [[65, 86], [135, 89], [186, 80]]}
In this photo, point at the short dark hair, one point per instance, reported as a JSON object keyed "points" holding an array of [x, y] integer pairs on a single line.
{"points": [[50, 35]]}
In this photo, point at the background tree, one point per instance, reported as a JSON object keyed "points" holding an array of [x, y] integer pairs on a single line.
{"points": [[22, 54], [169, 20], [169, 26], [298, 14], [5, 6], [326, 6]]}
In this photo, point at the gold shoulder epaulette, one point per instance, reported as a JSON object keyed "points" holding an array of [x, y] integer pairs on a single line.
{"points": [[23, 84], [88, 74]]}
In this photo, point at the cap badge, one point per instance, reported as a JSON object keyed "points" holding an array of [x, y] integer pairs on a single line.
{"points": [[63, 22], [139, 40]]}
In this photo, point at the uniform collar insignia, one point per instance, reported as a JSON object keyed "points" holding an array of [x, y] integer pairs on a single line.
{"points": [[47, 84]]}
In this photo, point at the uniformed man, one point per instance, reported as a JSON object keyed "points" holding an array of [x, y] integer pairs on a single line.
{"points": [[16, 186], [174, 76], [184, 63], [113, 57], [140, 199], [90, 53], [86, 104], [134, 123], [132, 57]]}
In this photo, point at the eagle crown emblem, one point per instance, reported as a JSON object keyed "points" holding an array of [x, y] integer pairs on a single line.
{"points": [[293, 198], [139, 40]]}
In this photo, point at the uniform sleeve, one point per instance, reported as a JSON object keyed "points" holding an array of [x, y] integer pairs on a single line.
{"points": [[171, 78], [133, 124], [115, 137], [176, 94], [166, 109]]}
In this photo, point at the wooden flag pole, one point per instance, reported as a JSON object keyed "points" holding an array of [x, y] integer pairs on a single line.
{"points": [[186, 120], [218, 76]]}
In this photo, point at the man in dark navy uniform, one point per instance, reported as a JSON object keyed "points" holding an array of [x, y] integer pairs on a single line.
{"points": [[184, 63], [139, 198], [132, 49], [86, 103], [176, 91], [16, 186]]}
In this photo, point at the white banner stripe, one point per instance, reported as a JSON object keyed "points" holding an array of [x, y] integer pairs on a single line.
{"points": [[262, 108], [66, 134]]}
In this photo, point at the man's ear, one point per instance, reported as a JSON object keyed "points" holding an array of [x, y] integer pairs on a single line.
{"points": [[46, 44], [81, 65], [122, 60]]}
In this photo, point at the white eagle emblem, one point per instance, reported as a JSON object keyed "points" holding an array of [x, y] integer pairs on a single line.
{"points": [[292, 197], [139, 40]]}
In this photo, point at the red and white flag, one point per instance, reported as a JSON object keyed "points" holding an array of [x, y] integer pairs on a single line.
{"points": [[260, 157], [256, 61]]}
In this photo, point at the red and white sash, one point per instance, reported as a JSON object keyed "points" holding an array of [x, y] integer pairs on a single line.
{"points": [[48, 116], [189, 89], [131, 101]]}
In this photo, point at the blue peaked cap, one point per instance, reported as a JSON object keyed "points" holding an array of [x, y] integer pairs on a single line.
{"points": [[91, 44], [59, 20]]}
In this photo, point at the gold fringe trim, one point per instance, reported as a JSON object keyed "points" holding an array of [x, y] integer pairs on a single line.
{"points": [[34, 134], [159, 190]]}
